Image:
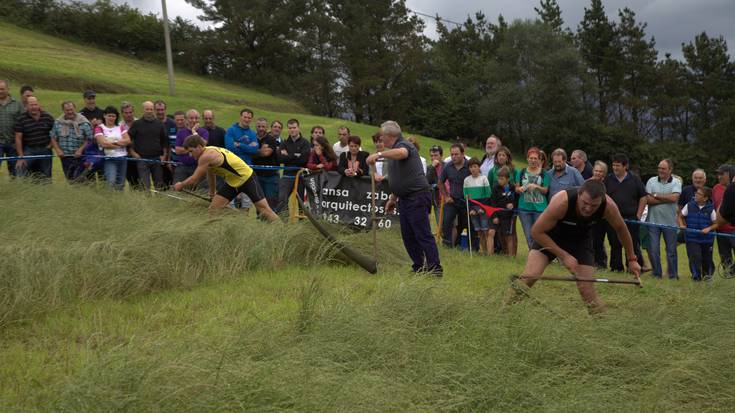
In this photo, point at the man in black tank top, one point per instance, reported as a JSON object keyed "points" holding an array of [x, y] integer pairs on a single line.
{"points": [[564, 231]]}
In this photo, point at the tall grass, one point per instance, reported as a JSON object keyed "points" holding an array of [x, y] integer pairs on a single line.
{"points": [[61, 244], [415, 345]]}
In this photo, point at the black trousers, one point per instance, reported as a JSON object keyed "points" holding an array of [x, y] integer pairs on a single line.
{"points": [[700, 260], [726, 247], [616, 247]]}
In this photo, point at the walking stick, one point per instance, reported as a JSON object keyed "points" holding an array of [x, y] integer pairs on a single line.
{"points": [[469, 231], [441, 220], [373, 217]]}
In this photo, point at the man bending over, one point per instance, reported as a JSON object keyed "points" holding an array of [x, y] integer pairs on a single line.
{"points": [[238, 176], [564, 231]]}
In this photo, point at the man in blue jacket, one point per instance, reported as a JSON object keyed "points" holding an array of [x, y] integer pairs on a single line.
{"points": [[243, 142], [240, 139]]}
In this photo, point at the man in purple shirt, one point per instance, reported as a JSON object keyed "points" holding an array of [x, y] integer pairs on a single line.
{"points": [[187, 164]]}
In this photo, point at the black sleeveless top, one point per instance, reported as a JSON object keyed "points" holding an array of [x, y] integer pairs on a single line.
{"points": [[574, 227]]}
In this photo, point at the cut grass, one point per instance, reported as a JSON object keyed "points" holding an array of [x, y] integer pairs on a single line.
{"points": [[238, 321]]}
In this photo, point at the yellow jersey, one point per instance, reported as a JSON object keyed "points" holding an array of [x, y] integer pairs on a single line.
{"points": [[233, 169]]}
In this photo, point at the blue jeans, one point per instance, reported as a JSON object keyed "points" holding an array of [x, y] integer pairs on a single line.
{"points": [[115, 172], [269, 184], [8, 151], [528, 218], [39, 167], [655, 251], [452, 210]]}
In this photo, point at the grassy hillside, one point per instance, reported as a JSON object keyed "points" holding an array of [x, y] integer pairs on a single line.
{"points": [[61, 70], [121, 302], [126, 302]]}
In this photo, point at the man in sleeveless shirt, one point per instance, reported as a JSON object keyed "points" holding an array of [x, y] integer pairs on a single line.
{"points": [[238, 176], [564, 231]]}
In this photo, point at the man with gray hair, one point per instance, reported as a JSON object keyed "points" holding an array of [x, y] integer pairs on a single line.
{"points": [[409, 189], [72, 132], [699, 180], [10, 111], [127, 112], [562, 176], [187, 164], [492, 143], [579, 160]]}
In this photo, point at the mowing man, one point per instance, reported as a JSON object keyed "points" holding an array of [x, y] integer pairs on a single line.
{"points": [[564, 231], [238, 176]]}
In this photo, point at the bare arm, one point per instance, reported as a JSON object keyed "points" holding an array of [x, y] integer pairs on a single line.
{"points": [[101, 141], [641, 207], [53, 144], [547, 221], [205, 160], [657, 199], [613, 217], [19, 143]]}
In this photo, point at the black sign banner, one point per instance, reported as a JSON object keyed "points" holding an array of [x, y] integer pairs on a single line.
{"points": [[345, 200]]}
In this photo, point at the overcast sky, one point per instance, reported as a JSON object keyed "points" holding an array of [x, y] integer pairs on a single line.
{"points": [[671, 22]]}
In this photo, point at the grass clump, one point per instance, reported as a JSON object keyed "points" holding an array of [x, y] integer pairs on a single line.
{"points": [[67, 243]]}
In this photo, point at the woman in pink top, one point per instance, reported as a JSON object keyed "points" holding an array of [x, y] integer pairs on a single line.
{"points": [[109, 136]]}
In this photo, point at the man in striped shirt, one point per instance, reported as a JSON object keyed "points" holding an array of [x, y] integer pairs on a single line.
{"points": [[33, 137]]}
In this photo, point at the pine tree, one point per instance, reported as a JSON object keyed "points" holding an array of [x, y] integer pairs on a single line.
{"points": [[599, 45], [550, 13], [639, 67]]}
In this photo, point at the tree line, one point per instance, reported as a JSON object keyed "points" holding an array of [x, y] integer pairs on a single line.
{"points": [[601, 86]]}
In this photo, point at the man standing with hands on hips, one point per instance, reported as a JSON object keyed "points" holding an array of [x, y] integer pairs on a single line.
{"points": [[409, 189]]}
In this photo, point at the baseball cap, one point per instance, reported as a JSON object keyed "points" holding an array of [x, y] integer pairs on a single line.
{"points": [[89, 94], [724, 168]]}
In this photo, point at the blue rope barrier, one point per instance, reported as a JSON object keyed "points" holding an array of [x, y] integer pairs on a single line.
{"points": [[127, 158], [648, 224]]}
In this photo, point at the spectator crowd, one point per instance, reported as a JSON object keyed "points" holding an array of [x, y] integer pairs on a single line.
{"points": [[113, 145]]}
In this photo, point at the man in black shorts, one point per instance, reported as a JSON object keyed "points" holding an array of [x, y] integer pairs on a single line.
{"points": [[238, 176], [564, 231]]}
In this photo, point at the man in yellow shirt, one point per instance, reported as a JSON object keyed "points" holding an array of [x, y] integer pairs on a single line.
{"points": [[238, 176]]}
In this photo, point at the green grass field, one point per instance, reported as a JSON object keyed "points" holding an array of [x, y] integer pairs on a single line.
{"points": [[127, 302]]}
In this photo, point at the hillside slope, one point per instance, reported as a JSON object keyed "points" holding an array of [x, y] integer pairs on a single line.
{"points": [[61, 70]]}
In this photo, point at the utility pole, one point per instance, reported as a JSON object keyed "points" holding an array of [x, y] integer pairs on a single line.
{"points": [[169, 57]]}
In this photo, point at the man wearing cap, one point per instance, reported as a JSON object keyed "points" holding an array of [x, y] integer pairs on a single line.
{"points": [[725, 245], [409, 188], [94, 115]]}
